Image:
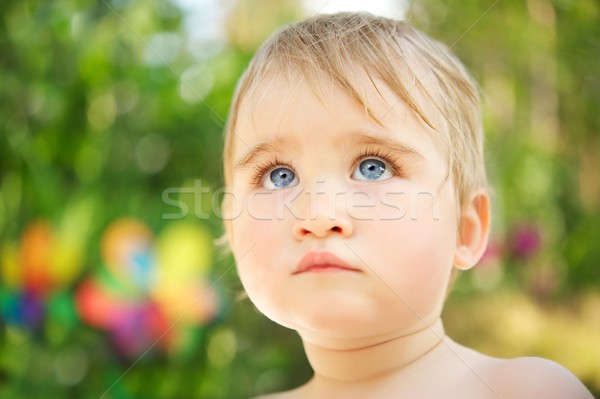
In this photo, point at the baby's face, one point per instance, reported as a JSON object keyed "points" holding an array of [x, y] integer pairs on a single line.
{"points": [[341, 227]]}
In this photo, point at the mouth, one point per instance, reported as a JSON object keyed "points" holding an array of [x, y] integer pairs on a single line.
{"points": [[322, 262]]}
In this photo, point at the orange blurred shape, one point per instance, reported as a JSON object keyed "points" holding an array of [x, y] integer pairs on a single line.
{"points": [[35, 252], [47, 258]]}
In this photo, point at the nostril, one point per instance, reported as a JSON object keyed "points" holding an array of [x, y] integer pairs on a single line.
{"points": [[321, 230]]}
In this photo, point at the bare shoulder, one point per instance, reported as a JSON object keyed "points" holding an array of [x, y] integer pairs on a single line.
{"points": [[528, 377]]}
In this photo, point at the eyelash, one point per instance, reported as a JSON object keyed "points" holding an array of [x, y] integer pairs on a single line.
{"points": [[388, 158], [266, 167]]}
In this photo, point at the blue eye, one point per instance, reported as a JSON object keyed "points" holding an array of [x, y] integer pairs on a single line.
{"points": [[372, 169], [280, 177]]}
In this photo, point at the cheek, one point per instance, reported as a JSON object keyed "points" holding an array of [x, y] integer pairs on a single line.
{"points": [[414, 270], [256, 241], [397, 200], [260, 244], [416, 248], [255, 263], [260, 217], [413, 254]]}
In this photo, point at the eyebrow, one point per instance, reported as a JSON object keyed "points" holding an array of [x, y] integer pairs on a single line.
{"points": [[257, 151], [357, 139], [362, 139]]}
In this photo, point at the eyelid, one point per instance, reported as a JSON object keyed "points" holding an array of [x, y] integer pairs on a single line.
{"points": [[386, 156], [264, 167], [261, 169]]}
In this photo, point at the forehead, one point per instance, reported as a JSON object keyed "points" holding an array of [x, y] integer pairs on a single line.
{"points": [[281, 104]]}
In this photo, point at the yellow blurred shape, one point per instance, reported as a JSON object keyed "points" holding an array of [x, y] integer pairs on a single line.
{"points": [[66, 262], [10, 268], [184, 252], [184, 256], [189, 302], [68, 242]]}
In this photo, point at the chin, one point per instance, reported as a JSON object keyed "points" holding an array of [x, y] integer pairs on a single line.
{"points": [[347, 317]]}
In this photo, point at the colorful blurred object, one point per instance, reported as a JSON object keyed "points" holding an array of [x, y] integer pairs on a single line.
{"points": [[525, 241], [47, 261], [121, 103], [151, 294], [22, 309]]}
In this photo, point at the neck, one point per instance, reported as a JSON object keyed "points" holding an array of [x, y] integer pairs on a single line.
{"points": [[365, 360]]}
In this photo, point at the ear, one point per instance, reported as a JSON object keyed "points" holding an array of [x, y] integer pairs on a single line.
{"points": [[474, 228]]}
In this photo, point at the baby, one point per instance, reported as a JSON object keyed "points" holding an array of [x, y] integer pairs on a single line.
{"points": [[357, 188]]}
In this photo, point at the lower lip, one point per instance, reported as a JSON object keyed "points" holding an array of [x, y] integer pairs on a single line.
{"points": [[325, 268]]}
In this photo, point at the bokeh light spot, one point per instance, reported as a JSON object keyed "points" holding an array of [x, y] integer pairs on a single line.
{"points": [[196, 82], [102, 111], [162, 49], [152, 153], [71, 365], [222, 347]]}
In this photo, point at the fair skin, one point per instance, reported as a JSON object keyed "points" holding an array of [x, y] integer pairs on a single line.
{"points": [[346, 231]]}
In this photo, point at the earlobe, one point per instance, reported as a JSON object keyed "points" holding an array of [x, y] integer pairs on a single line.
{"points": [[474, 227]]}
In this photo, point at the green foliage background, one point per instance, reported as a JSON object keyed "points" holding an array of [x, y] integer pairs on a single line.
{"points": [[88, 109]]}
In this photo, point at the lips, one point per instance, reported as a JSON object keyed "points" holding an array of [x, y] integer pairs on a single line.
{"points": [[317, 262]]}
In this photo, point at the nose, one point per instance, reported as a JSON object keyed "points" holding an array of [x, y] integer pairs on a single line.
{"points": [[323, 221], [321, 227]]}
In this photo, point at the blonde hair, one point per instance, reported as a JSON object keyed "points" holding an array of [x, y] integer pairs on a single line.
{"points": [[333, 47]]}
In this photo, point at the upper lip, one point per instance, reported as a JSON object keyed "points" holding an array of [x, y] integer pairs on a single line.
{"points": [[321, 259]]}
